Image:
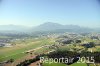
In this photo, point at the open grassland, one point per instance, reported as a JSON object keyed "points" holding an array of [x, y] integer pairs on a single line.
{"points": [[78, 64], [54, 64], [91, 64], [60, 64], [17, 51]]}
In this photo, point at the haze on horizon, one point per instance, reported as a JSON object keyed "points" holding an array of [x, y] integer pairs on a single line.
{"points": [[35, 12]]}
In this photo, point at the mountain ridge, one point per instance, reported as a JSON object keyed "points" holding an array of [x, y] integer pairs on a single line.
{"points": [[48, 26]]}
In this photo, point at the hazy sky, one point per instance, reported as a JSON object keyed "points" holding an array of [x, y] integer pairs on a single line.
{"points": [[35, 12]]}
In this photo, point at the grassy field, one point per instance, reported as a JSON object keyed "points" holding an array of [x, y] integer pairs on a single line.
{"points": [[91, 64], [18, 49], [60, 64], [54, 64], [78, 64]]}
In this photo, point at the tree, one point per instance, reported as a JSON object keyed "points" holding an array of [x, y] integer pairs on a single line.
{"points": [[78, 41]]}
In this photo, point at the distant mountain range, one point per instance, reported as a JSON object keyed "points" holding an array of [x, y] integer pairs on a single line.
{"points": [[48, 26], [55, 27]]}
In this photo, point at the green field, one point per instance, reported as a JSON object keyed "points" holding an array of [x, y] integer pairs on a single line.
{"points": [[60, 64], [18, 50]]}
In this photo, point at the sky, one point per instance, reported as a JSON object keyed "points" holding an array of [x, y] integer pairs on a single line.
{"points": [[34, 12]]}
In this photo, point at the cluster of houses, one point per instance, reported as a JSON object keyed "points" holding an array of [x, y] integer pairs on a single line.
{"points": [[76, 38], [4, 42]]}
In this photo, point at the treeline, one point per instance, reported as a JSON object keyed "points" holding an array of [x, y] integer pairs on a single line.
{"points": [[28, 62], [65, 54], [75, 55]]}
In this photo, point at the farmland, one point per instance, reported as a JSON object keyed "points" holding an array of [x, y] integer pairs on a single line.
{"points": [[28, 48], [18, 50]]}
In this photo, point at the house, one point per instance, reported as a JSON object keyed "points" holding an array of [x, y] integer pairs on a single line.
{"points": [[5, 45]]}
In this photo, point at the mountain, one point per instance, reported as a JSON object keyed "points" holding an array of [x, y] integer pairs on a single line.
{"points": [[55, 27], [46, 27]]}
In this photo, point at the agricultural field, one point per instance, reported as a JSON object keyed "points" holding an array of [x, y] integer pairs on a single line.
{"points": [[29, 48], [18, 50]]}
